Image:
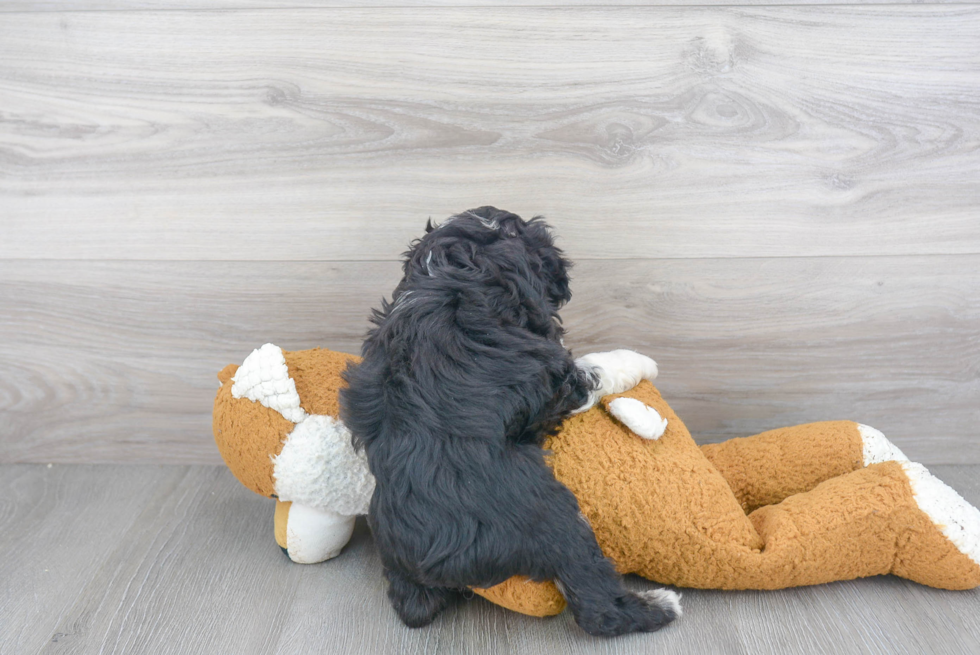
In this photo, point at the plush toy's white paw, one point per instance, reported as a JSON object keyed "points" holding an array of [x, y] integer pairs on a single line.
{"points": [[617, 371], [957, 519], [877, 448], [642, 419]]}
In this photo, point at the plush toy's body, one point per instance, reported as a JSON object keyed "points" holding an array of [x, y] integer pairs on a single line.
{"points": [[801, 505]]}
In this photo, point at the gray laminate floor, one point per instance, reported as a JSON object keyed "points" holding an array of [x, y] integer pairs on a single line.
{"points": [[181, 559]]}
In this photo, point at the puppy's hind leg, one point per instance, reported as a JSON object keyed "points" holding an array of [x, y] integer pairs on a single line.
{"points": [[416, 604], [603, 607], [601, 604]]}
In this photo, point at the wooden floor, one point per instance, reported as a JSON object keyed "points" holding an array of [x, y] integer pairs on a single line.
{"points": [[181, 559]]}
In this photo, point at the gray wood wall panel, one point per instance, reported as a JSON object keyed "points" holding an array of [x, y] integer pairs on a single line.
{"points": [[116, 361], [157, 559], [778, 203], [331, 134]]}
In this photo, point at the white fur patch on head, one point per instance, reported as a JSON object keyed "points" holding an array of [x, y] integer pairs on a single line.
{"points": [[264, 378], [877, 448], [642, 419], [957, 519], [318, 467], [488, 223], [406, 299]]}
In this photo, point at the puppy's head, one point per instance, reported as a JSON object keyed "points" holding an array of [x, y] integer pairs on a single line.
{"points": [[494, 247]]}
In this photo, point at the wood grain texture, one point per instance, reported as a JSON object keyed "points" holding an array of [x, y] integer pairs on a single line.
{"points": [[641, 131], [751, 345], [58, 528], [156, 559], [116, 361], [212, 5]]}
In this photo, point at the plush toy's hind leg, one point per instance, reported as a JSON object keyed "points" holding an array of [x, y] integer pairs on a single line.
{"points": [[943, 548], [891, 517], [309, 535], [768, 467]]}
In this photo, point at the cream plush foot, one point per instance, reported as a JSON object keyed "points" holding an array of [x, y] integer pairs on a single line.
{"points": [[309, 535], [950, 561], [618, 371], [943, 548], [876, 448]]}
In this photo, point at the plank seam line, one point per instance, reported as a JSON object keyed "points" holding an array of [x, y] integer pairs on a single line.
{"points": [[327, 7], [24, 260]]}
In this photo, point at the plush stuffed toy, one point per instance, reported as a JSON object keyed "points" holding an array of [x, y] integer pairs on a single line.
{"points": [[795, 506]]}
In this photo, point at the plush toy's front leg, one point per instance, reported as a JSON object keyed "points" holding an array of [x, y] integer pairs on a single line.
{"points": [[768, 467], [309, 535]]}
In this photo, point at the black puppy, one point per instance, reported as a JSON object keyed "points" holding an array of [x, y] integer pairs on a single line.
{"points": [[462, 377]]}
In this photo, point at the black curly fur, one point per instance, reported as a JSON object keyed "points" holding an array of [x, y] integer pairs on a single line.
{"points": [[462, 377]]}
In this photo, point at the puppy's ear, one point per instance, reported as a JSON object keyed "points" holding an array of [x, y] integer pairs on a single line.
{"points": [[428, 225], [556, 268], [554, 265], [511, 225]]}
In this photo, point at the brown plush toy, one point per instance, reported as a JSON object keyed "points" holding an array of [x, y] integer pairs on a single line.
{"points": [[795, 506]]}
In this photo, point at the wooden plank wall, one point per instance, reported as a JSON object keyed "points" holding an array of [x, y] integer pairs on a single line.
{"points": [[781, 204]]}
